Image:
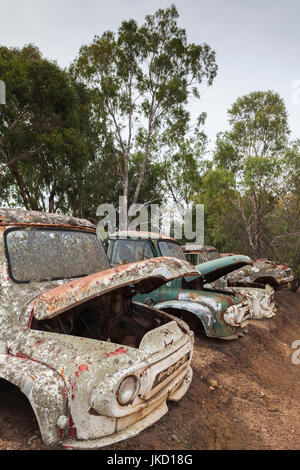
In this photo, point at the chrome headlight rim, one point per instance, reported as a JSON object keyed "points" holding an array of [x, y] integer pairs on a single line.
{"points": [[121, 390]]}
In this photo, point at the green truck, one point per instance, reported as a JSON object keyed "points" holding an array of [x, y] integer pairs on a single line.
{"points": [[221, 314]]}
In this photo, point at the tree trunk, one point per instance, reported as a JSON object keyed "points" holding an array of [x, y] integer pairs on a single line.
{"points": [[124, 220], [257, 227]]}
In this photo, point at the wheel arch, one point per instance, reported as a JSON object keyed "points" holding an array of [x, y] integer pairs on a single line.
{"points": [[264, 280], [34, 380], [195, 314]]}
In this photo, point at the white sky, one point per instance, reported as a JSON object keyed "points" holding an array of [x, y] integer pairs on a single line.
{"points": [[256, 43]]}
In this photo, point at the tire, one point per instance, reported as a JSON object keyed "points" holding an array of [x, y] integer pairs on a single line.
{"points": [[295, 284]]}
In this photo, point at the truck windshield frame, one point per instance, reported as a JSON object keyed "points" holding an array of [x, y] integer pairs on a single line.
{"points": [[61, 252], [137, 250]]}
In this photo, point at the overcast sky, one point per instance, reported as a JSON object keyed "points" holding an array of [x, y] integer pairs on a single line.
{"points": [[256, 43]]}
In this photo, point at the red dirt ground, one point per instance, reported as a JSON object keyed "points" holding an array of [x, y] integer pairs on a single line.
{"points": [[245, 394]]}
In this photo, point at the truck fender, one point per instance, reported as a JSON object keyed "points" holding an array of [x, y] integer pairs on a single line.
{"points": [[201, 312], [44, 388]]}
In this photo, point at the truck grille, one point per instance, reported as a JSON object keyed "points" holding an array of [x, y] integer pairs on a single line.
{"points": [[164, 374]]}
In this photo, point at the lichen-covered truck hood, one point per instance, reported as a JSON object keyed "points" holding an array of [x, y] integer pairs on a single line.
{"points": [[80, 361], [85, 361], [213, 270], [143, 276], [87, 367], [245, 271], [263, 268]]}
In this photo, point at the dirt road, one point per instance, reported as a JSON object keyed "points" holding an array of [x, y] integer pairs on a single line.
{"points": [[245, 394]]}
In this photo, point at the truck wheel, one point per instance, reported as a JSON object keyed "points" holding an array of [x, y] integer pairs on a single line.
{"points": [[295, 284]]}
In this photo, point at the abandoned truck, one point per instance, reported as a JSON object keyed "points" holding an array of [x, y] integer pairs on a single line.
{"points": [[197, 254], [260, 295], [222, 314], [262, 272], [95, 366]]}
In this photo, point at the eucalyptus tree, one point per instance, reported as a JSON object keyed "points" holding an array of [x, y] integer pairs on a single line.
{"points": [[144, 76], [254, 150], [47, 132]]}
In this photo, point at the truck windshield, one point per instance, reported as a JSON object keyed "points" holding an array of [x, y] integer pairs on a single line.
{"points": [[129, 251], [171, 249], [42, 254]]}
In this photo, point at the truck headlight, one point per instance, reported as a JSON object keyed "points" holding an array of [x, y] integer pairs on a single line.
{"points": [[128, 389]]}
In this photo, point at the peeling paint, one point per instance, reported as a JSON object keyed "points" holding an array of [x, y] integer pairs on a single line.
{"points": [[69, 343], [187, 294], [261, 273]]}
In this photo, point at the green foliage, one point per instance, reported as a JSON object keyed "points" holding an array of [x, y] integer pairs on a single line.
{"points": [[117, 123], [143, 78], [218, 191], [254, 150], [183, 164], [251, 193], [47, 132]]}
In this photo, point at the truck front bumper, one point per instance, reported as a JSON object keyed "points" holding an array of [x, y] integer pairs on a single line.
{"points": [[157, 407]]}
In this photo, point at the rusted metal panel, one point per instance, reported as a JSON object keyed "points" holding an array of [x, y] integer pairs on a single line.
{"points": [[188, 295], [143, 235], [144, 275], [262, 272], [73, 381], [249, 281], [262, 300], [20, 216], [217, 268], [197, 248]]}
